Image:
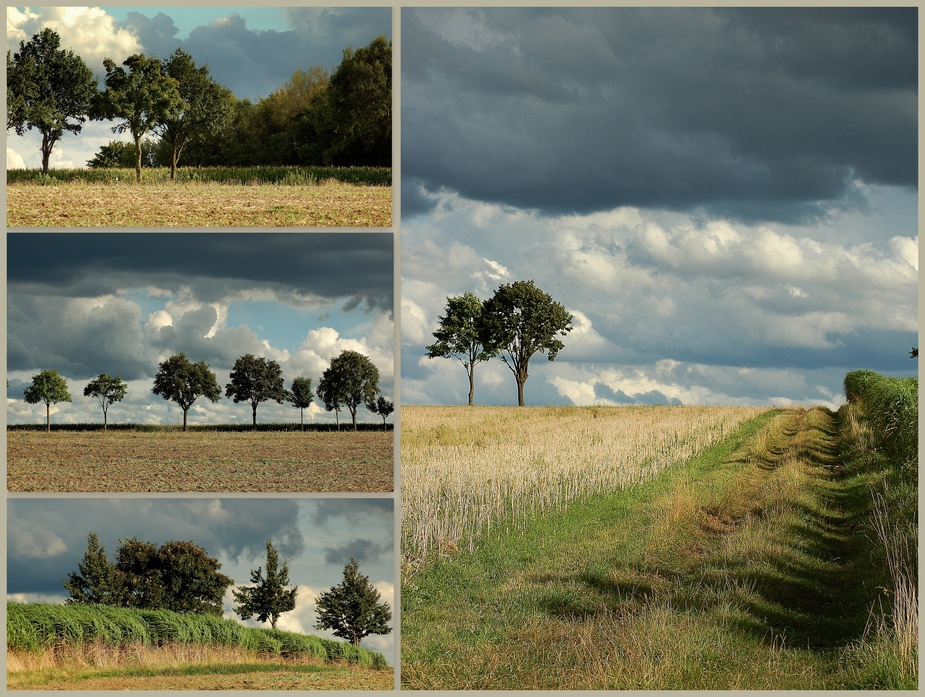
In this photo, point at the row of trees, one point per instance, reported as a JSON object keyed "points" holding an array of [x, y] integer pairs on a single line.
{"points": [[182, 577], [315, 119], [350, 381], [518, 321]]}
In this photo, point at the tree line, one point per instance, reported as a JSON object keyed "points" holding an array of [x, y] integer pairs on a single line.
{"points": [[351, 380], [183, 578], [518, 321], [173, 108]]}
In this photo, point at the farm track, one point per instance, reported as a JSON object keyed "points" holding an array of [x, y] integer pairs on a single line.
{"points": [[737, 575], [94, 461], [195, 204]]}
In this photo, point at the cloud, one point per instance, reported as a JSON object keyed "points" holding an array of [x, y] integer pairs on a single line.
{"points": [[776, 114]]}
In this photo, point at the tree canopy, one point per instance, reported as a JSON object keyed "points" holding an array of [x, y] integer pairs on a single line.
{"points": [[140, 94], [254, 380], [48, 89], [520, 320], [177, 576], [48, 387], [352, 608], [301, 396], [268, 597], [107, 390], [458, 336], [183, 382], [350, 380]]}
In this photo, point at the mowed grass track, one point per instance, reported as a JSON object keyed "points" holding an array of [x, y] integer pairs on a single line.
{"points": [[744, 568], [170, 461], [198, 204]]}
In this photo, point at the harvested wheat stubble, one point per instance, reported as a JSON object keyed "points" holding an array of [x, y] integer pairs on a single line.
{"points": [[130, 461], [81, 204]]}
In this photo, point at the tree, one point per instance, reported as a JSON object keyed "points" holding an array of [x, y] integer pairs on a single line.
{"points": [[301, 396], [256, 380], [142, 95], [184, 382], [207, 106], [96, 581], [48, 387], [383, 407], [177, 576], [107, 390], [49, 89], [118, 154], [350, 380], [519, 321], [268, 598], [352, 609], [458, 336], [360, 107]]}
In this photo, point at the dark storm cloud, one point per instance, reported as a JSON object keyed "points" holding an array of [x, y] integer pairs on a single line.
{"points": [[352, 266], [253, 63], [364, 552], [758, 114], [47, 539]]}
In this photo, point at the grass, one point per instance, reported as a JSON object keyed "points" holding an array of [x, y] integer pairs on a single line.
{"points": [[94, 647], [169, 460], [80, 203], [749, 567]]}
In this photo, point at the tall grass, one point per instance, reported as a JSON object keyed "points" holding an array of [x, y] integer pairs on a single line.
{"points": [[892, 407], [39, 628], [287, 176], [469, 471]]}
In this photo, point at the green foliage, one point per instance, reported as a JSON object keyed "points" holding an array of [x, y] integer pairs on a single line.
{"points": [[458, 336], [301, 396], [268, 597], [48, 89], [352, 609], [519, 321], [41, 627], [350, 380], [140, 94], [183, 382], [96, 581], [48, 387], [383, 407], [892, 407], [255, 380], [118, 154], [107, 390], [286, 176]]}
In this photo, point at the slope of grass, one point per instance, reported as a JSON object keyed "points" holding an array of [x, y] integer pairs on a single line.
{"points": [[747, 568]]}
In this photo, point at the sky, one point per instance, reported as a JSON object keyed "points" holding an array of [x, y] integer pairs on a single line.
{"points": [[121, 303], [47, 538], [251, 50], [725, 199]]}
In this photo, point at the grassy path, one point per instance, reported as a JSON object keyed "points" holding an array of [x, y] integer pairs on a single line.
{"points": [[743, 569]]}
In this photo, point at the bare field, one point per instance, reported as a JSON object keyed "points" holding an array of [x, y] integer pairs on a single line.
{"points": [[466, 470], [131, 461], [198, 204]]}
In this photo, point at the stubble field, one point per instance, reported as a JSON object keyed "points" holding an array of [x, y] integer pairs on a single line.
{"points": [[170, 461], [197, 204]]}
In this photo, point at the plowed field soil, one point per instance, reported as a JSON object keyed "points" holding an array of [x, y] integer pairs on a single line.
{"points": [[129, 461]]}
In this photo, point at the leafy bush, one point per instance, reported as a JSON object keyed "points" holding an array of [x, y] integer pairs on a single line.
{"points": [[286, 176]]}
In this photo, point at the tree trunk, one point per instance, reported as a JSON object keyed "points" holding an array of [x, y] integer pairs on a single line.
{"points": [[104, 419], [184, 418], [48, 417], [353, 413], [471, 382], [46, 152], [254, 408], [138, 159], [302, 418]]}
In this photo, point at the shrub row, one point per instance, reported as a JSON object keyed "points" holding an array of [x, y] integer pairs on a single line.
{"points": [[229, 428], [891, 406], [301, 176], [39, 627]]}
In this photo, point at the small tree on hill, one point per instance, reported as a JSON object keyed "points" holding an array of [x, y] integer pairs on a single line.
{"points": [[48, 387], [255, 380], [107, 390], [350, 380], [352, 608], [458, 336], [301, 396], [184, 382], [383, 407], [268, 597], [519, 321], [96, 581]]}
